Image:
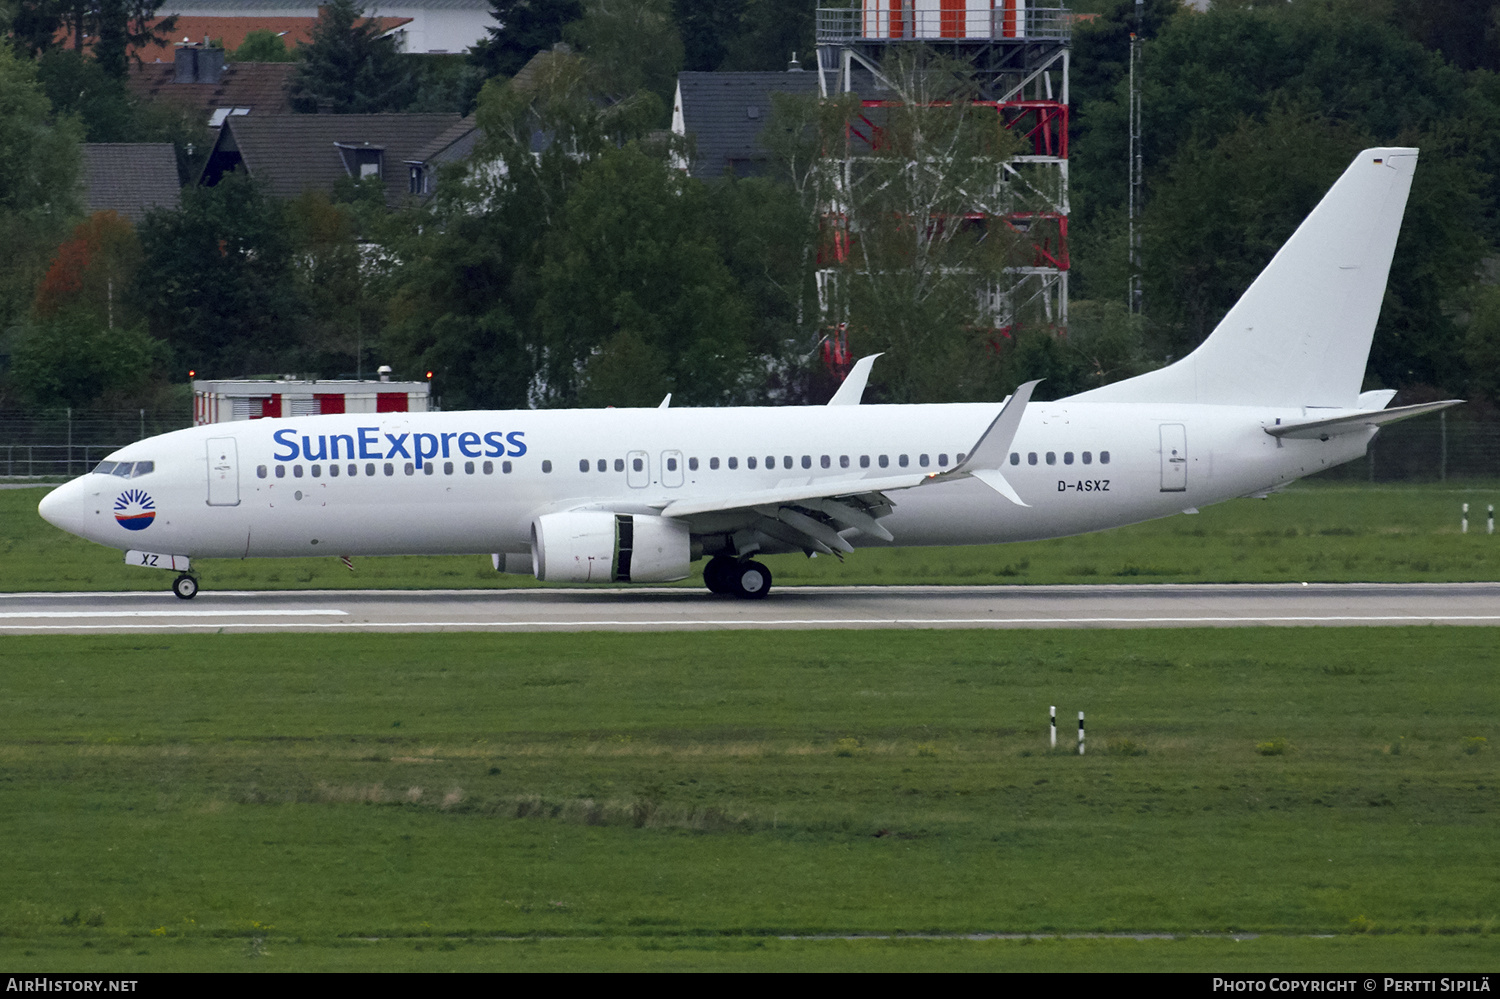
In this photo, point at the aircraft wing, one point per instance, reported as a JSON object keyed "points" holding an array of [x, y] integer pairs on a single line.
{"points": [[1350, 423], [811, 516]]}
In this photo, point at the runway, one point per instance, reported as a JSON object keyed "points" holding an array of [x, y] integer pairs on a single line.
{"points": [[790, 608]]}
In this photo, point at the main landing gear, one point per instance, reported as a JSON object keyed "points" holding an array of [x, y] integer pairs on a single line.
{"points": [[185, 586], [738, 577]]}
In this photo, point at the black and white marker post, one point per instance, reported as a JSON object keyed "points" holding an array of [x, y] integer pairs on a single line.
{"points": [[1054, 726], [1491, 528], [1463, 525], [1080, 733]]}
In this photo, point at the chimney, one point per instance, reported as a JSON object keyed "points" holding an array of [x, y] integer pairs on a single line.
{"points": [[794, 66], [198, 65]]}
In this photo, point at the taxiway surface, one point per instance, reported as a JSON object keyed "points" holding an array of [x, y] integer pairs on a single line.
{"points": [[683, 609]]}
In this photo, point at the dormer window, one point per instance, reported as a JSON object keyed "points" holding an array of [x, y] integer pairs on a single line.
{"points": [[362, 160]]}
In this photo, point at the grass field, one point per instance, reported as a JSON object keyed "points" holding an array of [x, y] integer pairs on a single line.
{"points": [[1312, 532], [686, 800]]}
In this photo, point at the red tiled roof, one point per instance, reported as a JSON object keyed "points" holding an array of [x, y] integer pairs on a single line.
{"points": [[294, 31]]}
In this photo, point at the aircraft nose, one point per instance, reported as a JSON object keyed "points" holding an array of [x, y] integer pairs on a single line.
{"points": [[64, 506]]}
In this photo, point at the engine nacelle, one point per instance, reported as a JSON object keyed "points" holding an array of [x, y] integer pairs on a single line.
{"points": [[594, 546]]}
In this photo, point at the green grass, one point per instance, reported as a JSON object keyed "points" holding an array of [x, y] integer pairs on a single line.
{"points": [[683, 800], [1312, 532]]}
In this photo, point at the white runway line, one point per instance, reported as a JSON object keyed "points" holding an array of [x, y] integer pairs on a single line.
{"points": [[842, 623], [15, 615]]}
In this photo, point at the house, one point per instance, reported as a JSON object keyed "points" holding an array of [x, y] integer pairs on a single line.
{"points": [[131, 178], [311, 152], [199, 77], [723, 114], [454, 143], [431, 26]]}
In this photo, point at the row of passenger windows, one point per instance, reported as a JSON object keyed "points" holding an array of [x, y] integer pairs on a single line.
{"points": [[388, 468], [125, 469], [603, 465], [787, 461], [1067, 457]]}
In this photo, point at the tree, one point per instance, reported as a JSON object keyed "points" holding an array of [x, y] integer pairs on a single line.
{"points": [[522, 29], [635, 298], [91, 273], [110, 28], [40, 163], [217, 280], [348, 68], [261, 45], [631, 45]]}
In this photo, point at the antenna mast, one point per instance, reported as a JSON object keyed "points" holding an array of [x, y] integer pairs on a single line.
{"points": [[1137, 191]]}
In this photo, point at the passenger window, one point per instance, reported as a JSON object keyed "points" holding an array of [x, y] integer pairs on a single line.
{"points": [[429, 469], [843, 461], [1031, 457], [1104, 457], [1067, 457], [638, 464], [903, 461], [826, 462], [1051, 457], [885, 461], [671, 464], [505, 468], [922, 460], [1015, 459], [734, 463], [771, 461], [864, 461], [750, 462], [390, 469], [692, 464], [583, 464], [619, 464], [468, 468], [281, 471], [410, 469], [942, 461], [488, 467], [806, 461], [786, 462], [317, 471], [1088, 457], [602, 465], [369, 468], [260, 471], [333, 470], [546, 466], [713, 464]]}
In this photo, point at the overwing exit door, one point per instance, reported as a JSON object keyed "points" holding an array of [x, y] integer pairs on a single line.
{"points": [[1173, 458], [637, 470], [223, 472], [671, 469]]}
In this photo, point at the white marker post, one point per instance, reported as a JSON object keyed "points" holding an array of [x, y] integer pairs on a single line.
{"points": [[1080, 733], [1463, 525], [1490, 529], [1054, 726]]}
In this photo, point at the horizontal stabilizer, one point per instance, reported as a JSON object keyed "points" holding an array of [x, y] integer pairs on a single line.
{"points": [[1322, 430]]}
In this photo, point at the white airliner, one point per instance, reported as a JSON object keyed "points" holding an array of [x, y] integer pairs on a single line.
{"points": [[637, 495]]}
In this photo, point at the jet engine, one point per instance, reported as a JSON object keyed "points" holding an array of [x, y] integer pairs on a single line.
{"points": [[594, 546]]}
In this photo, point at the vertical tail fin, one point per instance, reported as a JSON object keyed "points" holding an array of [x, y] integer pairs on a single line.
{"points": [[1300, 335]]}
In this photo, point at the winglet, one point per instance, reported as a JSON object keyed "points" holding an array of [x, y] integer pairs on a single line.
{"points": [[853, 390], [985, 460], [666, 402]]}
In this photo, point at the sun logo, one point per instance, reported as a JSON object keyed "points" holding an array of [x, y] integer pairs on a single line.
{"points": [[134, 510]]}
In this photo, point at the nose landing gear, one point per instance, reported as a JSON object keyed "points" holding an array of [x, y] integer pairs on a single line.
{"points": [[185, 586]]}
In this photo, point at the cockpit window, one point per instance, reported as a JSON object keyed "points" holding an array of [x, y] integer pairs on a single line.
{"points": [[143, 468], [104, 468], [123, 469]]}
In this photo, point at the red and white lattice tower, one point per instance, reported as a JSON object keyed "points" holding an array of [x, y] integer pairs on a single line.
{"points": [[1019, 50]]}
